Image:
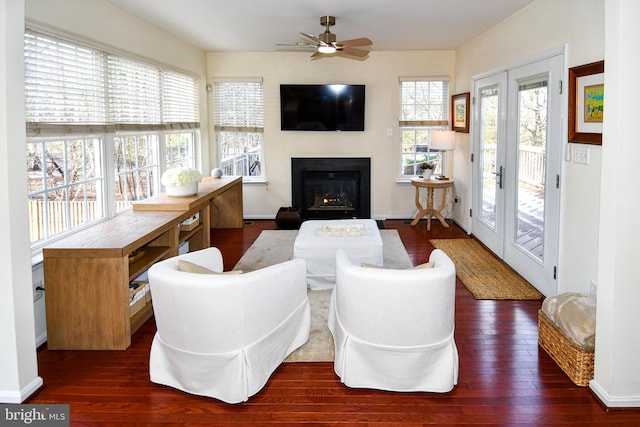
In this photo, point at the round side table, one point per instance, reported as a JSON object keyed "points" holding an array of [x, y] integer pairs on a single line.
{"points": [[431, 184]]}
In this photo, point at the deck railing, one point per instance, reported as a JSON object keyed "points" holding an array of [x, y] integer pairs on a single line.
{"points": [[245, 164], [531, 164], [79, 213], [532, 161]]}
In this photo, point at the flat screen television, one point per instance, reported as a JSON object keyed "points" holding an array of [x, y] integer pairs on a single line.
{"points": [[319, 107]]}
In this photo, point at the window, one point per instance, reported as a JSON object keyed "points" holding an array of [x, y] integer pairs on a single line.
{"points": [[136, 164], [101, 128], [179, 150], [65, 182], [423, 107], [239, 125]]}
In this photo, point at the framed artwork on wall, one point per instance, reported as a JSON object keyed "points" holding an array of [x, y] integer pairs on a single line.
{"points": [[460, 112], [586, 103]]}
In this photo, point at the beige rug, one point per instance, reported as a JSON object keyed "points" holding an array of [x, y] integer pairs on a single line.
{"points": [[484, 275], [274, 246]]}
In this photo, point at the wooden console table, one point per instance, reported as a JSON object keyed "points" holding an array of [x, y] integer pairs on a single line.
{"points": [[224, 194], [87, 274], [429, 211]]}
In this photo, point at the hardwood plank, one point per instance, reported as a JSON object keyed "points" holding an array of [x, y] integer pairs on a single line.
{"points": [[505, 378]]}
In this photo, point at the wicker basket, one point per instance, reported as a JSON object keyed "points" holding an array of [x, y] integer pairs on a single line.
{"points": [[190, 223], [576, 361], [138, 304]]}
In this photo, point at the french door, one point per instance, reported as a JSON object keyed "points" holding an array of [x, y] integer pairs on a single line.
{"points": [[517, 154]]}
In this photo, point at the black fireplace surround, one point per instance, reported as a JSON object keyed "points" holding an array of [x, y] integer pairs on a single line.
{"points": [[331, 187]]}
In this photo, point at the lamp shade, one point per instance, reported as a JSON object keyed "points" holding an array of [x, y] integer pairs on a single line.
{"points": [[443, 140]]}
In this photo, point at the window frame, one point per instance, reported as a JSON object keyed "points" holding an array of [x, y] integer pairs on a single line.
{"points": [[101, 199], [176, 116], [150, 169], [234, 124], [420, 123]]}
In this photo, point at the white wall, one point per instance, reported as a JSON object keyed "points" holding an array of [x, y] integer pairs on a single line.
{"points": [[18, 364], [379, 73], [617, 377], [540, 27]]}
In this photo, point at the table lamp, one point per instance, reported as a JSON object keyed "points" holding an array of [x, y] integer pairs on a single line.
{"points": [[442, 140]]}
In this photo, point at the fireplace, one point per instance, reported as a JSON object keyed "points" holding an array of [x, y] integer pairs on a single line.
{"points": [[331, 188]]}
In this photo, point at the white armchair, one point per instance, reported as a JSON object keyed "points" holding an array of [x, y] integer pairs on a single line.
{"points": [[393, 329], [223, 335]]}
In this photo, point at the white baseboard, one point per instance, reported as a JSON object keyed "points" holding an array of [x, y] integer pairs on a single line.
{"points": [[259, 216], [8, 396], [614, 401], [41, 339], [376, 217]]}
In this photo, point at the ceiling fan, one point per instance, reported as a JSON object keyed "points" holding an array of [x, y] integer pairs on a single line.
{"points": [[326, 44]]}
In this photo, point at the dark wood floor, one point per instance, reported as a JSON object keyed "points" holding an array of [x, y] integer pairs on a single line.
{"points": [[505, 378]]}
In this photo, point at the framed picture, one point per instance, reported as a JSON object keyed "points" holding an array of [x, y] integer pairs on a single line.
{"points": [[586, 103], [460, 112]]}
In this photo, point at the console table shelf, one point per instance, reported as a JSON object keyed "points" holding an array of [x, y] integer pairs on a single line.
{"points": [[87, 274], [151, 255]]}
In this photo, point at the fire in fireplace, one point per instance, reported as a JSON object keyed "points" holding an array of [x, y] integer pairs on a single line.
{"points": [[331, 188], [332, 201], [323, 190]]}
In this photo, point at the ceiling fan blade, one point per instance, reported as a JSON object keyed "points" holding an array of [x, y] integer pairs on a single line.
{"points": [[313, 38], [318, 55], [296, 46], [362, 41], [359, 53]]}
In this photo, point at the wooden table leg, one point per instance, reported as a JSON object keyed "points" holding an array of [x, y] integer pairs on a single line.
{"points": [[430, 210], [437, 212], [421, 210]]}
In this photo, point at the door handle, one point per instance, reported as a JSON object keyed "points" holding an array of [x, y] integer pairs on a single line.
{"points": [[499, 177]]}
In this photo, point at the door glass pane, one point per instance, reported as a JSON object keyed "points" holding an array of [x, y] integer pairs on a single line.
{"points": [[532, 144], [488, 144]]}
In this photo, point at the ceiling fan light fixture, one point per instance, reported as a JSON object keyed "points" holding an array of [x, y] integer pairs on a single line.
{"points": [[327, 49], [326, 43]]}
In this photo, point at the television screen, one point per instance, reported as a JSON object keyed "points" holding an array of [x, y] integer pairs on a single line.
{"points": [[331, 107]]}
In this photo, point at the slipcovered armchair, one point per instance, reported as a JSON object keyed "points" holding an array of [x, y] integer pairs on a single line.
{"points": [[223, 335], [393, 329]]}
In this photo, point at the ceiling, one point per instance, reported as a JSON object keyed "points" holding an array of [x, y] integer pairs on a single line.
{"points": [[258, 25]]}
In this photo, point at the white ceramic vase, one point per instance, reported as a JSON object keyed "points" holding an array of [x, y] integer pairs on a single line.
{"points": [[182, 190], [426, 173]]}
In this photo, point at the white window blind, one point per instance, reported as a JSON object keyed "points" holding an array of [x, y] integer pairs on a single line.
{"points": [[423, 102], [238, 106], [71, 88], [179, 98], [134, 91], [64, 82]]}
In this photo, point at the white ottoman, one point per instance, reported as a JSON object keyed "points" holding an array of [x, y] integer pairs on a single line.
{"points": [[318, 240]]}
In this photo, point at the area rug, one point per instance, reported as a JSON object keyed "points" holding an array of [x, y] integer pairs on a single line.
{"points": [[484, 275], [275, 246]]}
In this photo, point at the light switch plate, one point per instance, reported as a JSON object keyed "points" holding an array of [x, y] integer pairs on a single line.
{"points": [[582, 155]]}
